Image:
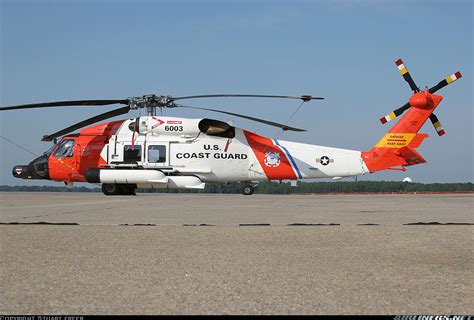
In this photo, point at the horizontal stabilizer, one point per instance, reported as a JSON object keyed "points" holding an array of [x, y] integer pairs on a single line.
{"points": [[411, 156], [417, 140]]}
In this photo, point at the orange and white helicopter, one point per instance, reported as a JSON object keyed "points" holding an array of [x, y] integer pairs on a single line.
{"points": [[169, 152]]}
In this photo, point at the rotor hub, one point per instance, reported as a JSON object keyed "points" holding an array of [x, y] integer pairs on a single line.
{"points": [[151, 102], [421, 100]]}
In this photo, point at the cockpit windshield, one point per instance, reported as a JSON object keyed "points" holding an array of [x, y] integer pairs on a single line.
{"points": [[50, 150], [65, 149]]}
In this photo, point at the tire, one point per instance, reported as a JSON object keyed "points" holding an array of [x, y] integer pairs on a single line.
{"points": [[247, 190], [127, 189], [111, 189]]}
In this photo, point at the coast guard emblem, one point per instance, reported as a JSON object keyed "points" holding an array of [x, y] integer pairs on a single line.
{"points": [[272, 159]]}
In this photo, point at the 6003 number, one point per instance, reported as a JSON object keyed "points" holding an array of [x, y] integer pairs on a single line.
{"points": [[173, 128]]}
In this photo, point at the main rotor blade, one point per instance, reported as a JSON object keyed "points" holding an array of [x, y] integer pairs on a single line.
{"points": [[443, 83], [304, 97], [267, 122], [65, 104], [406, 75], [100, 117]]}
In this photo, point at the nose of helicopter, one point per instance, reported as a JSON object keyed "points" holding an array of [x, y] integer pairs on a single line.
{"points": [[36, 169], [21, 172]]}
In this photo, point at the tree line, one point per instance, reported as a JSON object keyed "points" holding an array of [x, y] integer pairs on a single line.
{"points": [[283, 188]]}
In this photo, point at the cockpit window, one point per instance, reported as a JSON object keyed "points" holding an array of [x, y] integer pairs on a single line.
{"points": [[50, 150], [65, 149]]}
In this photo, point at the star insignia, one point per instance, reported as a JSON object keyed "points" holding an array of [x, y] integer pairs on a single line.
{"points": [[325, 160]]}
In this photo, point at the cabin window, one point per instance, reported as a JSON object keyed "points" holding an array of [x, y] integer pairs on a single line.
{"points": [[132, 154], [65, 149], [156, 154]]}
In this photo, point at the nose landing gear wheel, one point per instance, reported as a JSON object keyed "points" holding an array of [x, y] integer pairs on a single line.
{"points": [[247, 190]]}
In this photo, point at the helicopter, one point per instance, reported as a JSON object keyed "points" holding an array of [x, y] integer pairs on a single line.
{"points": [[155, 151]]}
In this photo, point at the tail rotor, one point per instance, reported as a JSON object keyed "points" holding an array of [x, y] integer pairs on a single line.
{"points": [[417, 95]]}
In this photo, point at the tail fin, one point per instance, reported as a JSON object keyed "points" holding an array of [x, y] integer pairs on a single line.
{"points": [[398, 146]]}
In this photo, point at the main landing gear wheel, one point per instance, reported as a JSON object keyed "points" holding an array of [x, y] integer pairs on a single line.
{"points": [[114, 189], [128, 189], [247, 190], [110, 189]]}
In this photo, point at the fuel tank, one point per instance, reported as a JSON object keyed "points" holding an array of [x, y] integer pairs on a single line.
{"points": [[143, 178]]}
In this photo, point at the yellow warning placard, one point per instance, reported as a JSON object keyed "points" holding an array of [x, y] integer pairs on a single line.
{"points": [[395, 140]]}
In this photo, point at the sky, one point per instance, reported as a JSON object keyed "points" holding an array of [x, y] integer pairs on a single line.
{"points": [[342, 50]]}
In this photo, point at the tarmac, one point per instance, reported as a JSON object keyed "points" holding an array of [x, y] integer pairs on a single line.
{"points": [[85, 253]]}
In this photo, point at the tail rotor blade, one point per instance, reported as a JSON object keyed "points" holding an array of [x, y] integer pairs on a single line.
{"points": [[448, 80], [406, 75], [74, 127], [395, 113], [437, 124]]}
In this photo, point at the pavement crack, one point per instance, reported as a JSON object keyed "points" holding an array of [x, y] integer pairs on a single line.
{"points": [[312, 224], [434, 223], [41, 223], [138, 225]]}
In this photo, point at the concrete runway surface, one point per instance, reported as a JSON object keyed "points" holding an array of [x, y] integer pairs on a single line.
{"points": [[78, 253]]}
